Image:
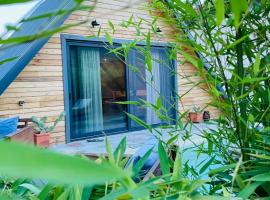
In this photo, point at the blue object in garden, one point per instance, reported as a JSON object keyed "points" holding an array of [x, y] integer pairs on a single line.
{"points": [[151, 143], [8, 125]]}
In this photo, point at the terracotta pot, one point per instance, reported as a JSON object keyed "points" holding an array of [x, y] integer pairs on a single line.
{"points": [[42, 140], [196, 117]]}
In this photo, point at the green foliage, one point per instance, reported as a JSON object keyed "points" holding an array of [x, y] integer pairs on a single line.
{"points": [[197, 109], [232, 43], [228, 37], [41, 125]]}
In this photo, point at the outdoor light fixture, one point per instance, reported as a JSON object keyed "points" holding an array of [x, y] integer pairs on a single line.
{"points": [[21, 103], [94, 23], [158, 30]]}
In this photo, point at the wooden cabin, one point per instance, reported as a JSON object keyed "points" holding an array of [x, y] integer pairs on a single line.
{"points": [[72, 72]]}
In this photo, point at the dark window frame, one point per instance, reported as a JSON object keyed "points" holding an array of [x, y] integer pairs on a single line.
{"points": [[68, 40]]}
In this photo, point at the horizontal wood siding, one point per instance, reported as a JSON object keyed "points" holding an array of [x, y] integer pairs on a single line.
{"points": [[40, 84]]}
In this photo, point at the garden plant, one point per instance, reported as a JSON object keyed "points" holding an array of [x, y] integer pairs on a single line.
{"points": [[227, 41]]}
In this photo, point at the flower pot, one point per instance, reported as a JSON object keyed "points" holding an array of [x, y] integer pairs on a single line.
{"points": [[206, 116], [196, 117], [42, 139]]}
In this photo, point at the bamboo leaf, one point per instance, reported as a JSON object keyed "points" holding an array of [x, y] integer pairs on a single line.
{"points": [[128, 102], [256, 66], [120, 150], [177, 167], [238, 7], [220, 11], [138, 166], [39, 35], [139, 121], [108, 37], [164, 161], [2, 2], [7, 60], [24, 161], [221, 169], [187, 8], [109, 151], [248, 190], [236, 42], [261, 177], [206, 165], [111, 26], [237, 167], [44, 192], [35, 190]]}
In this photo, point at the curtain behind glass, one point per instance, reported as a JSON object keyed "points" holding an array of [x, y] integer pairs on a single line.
{"points": [[137, 85], [167, 82], [153, 87], [87, 99]]}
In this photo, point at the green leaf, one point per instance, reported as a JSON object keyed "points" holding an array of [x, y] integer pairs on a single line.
{"points": [[148, 41], [109, 151], [139, 121], [238, 7], [186, 7], [172, 139], [42, 34], [35, 190], [192, 59], [120, 150], [12, 28], [138, 166], [206, 165], [220, 11], [159, 102], [221, 169], [235, 172], [249, 190], [86, 193], [236, 42], [261, 177], [7, 60], [177, 167], [2, 2], [111, 26], [19, 160], [164, 160], [44, 192], [128, 102], [108, 37], [256, 66]]}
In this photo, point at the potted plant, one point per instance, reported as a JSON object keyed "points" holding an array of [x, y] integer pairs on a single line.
{"points": [[196, 116], [43, 130]]}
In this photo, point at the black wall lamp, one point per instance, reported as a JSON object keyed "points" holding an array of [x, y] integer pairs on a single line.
{"points": [[21, 103], [94, 23], [158, 30]]}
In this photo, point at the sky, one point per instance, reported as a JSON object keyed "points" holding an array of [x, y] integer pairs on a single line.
{"points": [[13, 13]]}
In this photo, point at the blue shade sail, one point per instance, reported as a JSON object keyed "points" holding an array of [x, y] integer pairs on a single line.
{"points": [[18, 55]]}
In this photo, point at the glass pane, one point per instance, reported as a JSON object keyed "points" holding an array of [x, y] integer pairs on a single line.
{"points": [[150, 85], [97, 83], [113, 90], [137, 84], [167, 82]]}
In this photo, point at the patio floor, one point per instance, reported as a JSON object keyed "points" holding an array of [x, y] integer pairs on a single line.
{"points": [[134, 139]]}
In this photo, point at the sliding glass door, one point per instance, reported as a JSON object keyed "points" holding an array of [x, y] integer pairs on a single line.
{"points": [[97, 83], [98, 80], [150, 85]]}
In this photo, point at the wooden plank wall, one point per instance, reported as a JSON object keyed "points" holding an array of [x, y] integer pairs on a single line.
{"points": [[40, 84]]}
